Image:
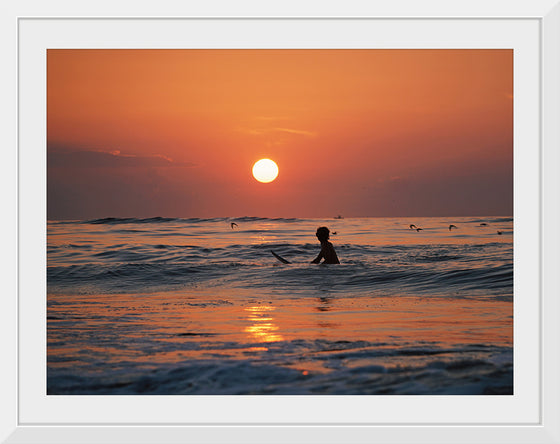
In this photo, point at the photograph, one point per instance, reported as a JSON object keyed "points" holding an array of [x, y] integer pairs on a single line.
{"points": [[280, 222]]}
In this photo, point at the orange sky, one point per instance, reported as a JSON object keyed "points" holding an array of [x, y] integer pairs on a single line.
{"points": [[139, 133]]}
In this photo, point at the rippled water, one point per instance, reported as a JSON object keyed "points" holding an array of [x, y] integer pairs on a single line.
{"points": [[179, 306]]}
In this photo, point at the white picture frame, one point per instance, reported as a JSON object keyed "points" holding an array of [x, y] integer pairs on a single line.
{"points": [[531, 415]]}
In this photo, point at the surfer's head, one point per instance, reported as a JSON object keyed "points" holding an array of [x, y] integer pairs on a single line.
{"points": [[322, 234]]}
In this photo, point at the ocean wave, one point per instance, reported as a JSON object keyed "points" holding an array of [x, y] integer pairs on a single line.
{"points": [[135, 220], [192, 220], [164, 253], [430, 370], [491, 220], [354, 279]]}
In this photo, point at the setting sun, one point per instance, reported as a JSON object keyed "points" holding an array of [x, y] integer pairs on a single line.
{"points": [[265, 170]]}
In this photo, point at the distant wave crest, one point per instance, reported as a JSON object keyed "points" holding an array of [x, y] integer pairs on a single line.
{"points": [[155, 220]]}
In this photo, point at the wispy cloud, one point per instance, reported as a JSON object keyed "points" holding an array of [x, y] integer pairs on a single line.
{"points": [[277, 130], [271, 118], [296, 131], [70, 158], [274, 127]]}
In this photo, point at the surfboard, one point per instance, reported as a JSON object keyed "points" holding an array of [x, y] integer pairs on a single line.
{"points": [[280, 258]]}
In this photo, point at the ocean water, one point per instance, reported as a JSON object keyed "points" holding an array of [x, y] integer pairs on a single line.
{"points": [[198, 306]]}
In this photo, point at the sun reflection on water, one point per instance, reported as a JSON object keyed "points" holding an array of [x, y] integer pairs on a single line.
{"points": [[262, 327]]}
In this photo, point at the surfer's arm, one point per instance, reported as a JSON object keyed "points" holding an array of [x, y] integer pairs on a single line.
{"points": [[318, 258]]}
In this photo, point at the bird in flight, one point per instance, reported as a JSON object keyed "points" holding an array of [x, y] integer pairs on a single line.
{"points": [[233, 224], [412, 226], [451, 226]]}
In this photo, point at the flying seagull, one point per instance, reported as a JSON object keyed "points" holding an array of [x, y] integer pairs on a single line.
{"points": [[451, 226], [412, 226], [418, 229], [233, 224]]}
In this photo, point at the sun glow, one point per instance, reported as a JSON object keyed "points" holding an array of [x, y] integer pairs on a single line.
{"points": [[265, 170]]}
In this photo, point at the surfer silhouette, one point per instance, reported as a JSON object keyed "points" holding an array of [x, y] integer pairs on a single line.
{"points": [[327, 250]]}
